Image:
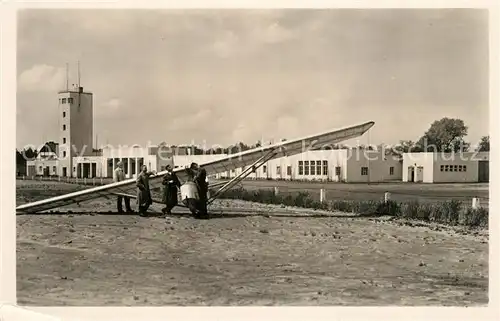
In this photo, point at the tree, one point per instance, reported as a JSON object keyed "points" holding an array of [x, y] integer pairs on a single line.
{"points": [[29, 153], [484, 144], [20, 161], [49, 147], [445, 135]]}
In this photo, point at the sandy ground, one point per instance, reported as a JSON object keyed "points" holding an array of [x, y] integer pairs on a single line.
{"points": [[248, 254]]}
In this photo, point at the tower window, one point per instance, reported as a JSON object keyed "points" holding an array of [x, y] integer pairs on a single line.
{"points": [[64, 114], [70, 100], [64, 140], [64, 154], [64, 127], [63, 101]]}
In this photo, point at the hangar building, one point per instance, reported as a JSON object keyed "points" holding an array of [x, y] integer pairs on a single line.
{"points": [[469, 167]]}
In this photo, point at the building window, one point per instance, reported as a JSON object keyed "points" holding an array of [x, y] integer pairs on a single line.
{"points": [[318, 167], [64, 114], [40, 168], [301, 168], [325, 168], [264, 169], [464, 168], [64, 127], [442, 168], [63, 101], [364, 171], [64, 154], [455, 168], [278, 170], [391, 170], [337, 170], [64, 140], [306, 167], [446, 168], [162, 168], [289, 170], [313, 167], [70, 100], [54, 169], [459, 168]]}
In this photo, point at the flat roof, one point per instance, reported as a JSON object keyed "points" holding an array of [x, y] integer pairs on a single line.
{"points": [[74, 92]]}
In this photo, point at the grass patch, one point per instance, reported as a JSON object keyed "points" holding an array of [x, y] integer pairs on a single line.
{"points": [[449, 212]]}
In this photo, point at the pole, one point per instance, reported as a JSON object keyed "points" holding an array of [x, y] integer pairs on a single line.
{"points": [[475, 203], [67, 77], [322, 195]]}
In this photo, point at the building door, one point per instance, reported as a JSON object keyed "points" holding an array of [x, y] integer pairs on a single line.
{"points": [[411, 174], [420, 174], [46, 171], [65, 172], [94, 169], [109, 167], [483, 171], [86, 170]]}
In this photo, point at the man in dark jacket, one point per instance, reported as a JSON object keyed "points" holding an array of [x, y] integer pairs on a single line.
{"points": [[171, 184], [201, 181], [144, 199], [199, 177]]}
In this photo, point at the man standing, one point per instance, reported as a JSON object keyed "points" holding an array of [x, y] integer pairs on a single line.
{"points": [[199, 176], [171, 184], [201, 181], [119, 176], [144, 199]]}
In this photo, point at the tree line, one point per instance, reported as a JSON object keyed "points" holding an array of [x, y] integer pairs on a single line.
{"points": [[444, 135]]}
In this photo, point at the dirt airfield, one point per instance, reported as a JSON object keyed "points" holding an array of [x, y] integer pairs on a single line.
{"points": [[247, 254]]}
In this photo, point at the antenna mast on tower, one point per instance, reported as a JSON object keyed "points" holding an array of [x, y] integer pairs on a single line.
{"points": [[67, 77], [78, 73]]}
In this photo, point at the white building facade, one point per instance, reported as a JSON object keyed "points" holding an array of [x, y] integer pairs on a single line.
{"points": [[342, 165], [470, 167]]}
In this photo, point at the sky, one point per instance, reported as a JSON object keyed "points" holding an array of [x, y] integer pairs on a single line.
{"points": [[217, 77]]}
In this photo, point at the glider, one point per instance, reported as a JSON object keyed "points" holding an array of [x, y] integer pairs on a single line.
{"points": [[250, 160]]}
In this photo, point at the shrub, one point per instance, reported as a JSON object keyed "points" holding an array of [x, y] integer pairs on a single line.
{"points": [[449, 212], [476, 217], [389, 208]]}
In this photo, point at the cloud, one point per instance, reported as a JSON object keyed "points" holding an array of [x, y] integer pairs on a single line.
{"points": [[113, 104], [226, 44], [239, 75], [275, 33], [42, 77]]}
